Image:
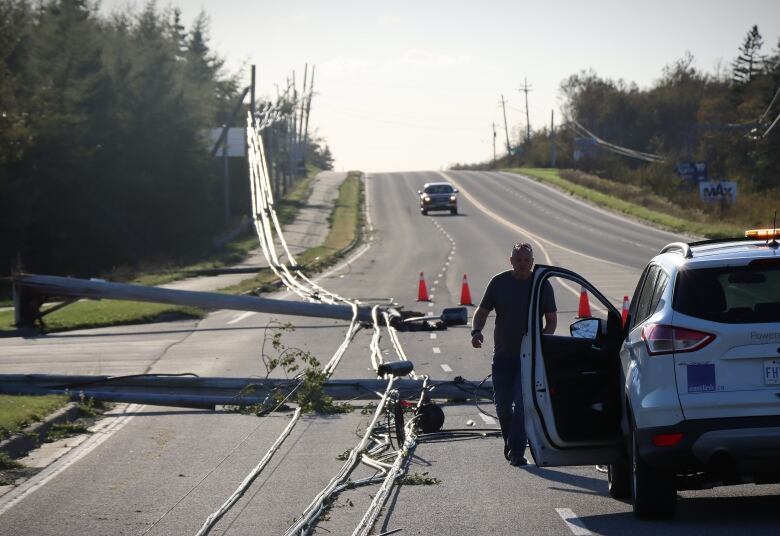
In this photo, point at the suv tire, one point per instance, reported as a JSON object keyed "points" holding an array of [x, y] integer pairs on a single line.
{"points": [[423, 212], [619, 480], [653, 491], [454, 211]]}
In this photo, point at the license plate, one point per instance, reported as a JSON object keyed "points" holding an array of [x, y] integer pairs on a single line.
{"points": [[772, 372]]}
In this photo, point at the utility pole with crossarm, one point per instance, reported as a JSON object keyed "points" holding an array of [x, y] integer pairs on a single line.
{"points": [[525, 89]]}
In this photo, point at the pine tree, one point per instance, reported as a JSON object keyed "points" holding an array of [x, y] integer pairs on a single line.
{"points": [[177, 33], [749, 62]]}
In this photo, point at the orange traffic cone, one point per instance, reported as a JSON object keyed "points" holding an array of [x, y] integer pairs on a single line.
{"points": [[584, 310], [465, 293], [422, 290], [624, 314]]}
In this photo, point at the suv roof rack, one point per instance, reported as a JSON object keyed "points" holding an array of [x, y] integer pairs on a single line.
{"points": [[722, 240], [686, 251], [680, 247]]}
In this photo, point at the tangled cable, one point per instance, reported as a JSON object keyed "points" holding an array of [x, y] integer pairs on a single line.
{"points": [[373, 446]]}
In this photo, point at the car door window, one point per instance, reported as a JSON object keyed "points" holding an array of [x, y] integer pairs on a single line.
{"points": [[634, 307], [648, 289], [582, 372], [660, 286]]}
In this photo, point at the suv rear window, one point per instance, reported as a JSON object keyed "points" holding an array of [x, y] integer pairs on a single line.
{"points": [[732, 295]]}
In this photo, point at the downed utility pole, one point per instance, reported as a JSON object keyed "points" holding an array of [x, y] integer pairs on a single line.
{"points": [[30, 292], [207, 392]]}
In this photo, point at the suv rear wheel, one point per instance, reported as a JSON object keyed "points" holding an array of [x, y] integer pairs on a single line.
{"points": [[653, 491]]}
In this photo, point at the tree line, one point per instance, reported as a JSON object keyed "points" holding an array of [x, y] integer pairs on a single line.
{"points": [[104, 154], [685, 115]]}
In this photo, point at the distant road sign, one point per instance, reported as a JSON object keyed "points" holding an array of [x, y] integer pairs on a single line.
{"points": [[236, 141], [692, 171], [585, 147], [710, 191]]}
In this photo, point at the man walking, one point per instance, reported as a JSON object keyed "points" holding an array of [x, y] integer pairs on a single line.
{"points": [[509, 293]]}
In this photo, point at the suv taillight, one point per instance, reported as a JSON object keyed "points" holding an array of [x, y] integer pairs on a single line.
{"points": [[665, 339]]}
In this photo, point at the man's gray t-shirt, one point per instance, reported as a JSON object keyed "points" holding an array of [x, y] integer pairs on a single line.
{"points": [[509, 297]]}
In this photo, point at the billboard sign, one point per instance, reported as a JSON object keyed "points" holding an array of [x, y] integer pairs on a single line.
{"points": [[712, 191]]}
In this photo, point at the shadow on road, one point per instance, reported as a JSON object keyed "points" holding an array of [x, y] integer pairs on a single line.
{"points": [[697, 515], [390, 509], [447, 215], [182, 411], [590, 485], [417, 460], [390, 506]]}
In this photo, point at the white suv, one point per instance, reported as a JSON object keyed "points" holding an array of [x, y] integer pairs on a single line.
{"points": [[686, 395]]}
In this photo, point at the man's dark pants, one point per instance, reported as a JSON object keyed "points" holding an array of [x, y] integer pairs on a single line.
{"points": [[509, 402]]}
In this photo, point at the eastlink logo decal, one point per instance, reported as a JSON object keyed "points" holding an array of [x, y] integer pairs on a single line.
{"points": [[764, 336]]}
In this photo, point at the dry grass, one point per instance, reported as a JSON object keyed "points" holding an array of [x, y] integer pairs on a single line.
{"points": [[686, 215]]}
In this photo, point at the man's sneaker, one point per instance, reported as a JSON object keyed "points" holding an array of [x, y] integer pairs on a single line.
{"points": [[506, 452], [517, 461]]}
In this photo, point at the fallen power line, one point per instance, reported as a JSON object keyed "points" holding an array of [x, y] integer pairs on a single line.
{"points": [[268, 231], [624, 151]]}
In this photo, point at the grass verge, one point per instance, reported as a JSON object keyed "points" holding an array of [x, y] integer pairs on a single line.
{"points": [[19, 411], [65, 430], [686, 225], [6, 462], [92, 314]]}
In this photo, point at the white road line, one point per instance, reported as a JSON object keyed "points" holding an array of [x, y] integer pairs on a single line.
{"points": [[242, 316], [574, 523], [437, 350], [342, 265], [433, 335], [487, 419], [430, 305], [102, 431], [446, 368], [539, 240]]}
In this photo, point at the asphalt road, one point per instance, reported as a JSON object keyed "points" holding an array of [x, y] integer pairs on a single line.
{"points": [[163, 470]]}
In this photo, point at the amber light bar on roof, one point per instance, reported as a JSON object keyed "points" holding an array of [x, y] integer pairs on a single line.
{"points": [[763, 234]]}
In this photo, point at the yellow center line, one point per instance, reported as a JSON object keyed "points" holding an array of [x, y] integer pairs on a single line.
{"points": [[519, 229], [516, 228]]}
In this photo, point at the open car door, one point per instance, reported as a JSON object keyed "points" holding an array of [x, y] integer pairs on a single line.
{"points": [[572, 393]]}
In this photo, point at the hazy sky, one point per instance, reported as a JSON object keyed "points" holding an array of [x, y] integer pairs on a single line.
{"points": [[413, 85]]}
